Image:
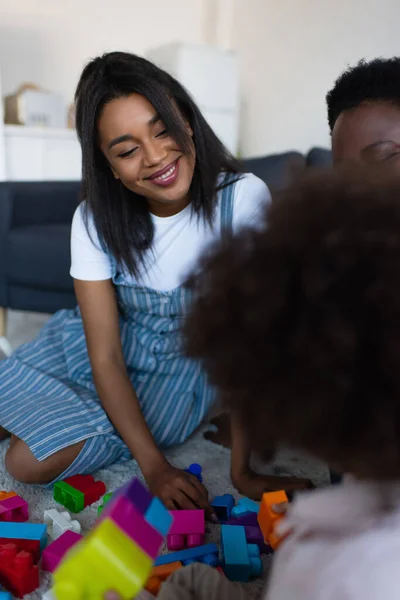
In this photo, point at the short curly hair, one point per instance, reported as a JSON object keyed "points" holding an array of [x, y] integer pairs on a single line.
{"points": [[298, 323], [374, 81]]}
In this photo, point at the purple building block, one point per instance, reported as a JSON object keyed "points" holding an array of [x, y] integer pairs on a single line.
{"points": [[137, 494], [55, 552], [254, 536], [134, 524]]}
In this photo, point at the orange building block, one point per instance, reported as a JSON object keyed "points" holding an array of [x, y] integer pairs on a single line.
{"points": [[6, 495], [160, 574], [268, 518]]}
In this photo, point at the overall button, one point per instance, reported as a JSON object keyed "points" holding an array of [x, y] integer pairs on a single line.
{"points": [[100, 429]]}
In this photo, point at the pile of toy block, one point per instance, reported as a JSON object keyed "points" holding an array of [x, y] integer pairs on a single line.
{"points": [[131, 528]]}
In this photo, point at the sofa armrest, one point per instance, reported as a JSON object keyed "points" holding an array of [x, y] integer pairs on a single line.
{"points": [[40, 203], [5, 224]]}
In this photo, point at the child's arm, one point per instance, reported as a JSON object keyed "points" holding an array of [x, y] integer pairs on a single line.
{"points": [[246, 481], [98, 305]]}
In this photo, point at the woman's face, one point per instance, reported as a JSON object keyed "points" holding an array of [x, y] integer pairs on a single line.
{"points": [[369, 133], [143, 156]]}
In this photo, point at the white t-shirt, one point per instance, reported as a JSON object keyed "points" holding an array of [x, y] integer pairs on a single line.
{"points": [[178, 240]]}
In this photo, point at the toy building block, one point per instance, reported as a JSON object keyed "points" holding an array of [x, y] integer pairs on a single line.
{"points": [[83, 574], [91, 489], [121, 540], [255, 536], [59, 523], [14, 509], [222, 506], [187, 529], [134, 525], [55, 552], [106, 499], [69, 497], [241, 560], [18, 573], [159, 517], [5, 495], [245, 519], [79, 491], [245, 505], [160, 574], [196, 470], [30, 534], [268, 518], [4, 595], [207, 554]]}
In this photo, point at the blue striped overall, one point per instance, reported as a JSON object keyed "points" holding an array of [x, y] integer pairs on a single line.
{"points": [[48, 398]]}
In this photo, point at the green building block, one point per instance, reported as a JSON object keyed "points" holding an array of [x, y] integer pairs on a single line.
{"points": [[68, 496], [106, 498]]}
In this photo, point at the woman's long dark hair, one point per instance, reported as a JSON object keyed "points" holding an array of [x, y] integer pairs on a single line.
{"points": [[121, 217]]}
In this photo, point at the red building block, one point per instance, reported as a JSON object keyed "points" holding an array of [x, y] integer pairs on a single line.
{"points": [[14, 509], [187, 530], [93, 490], [31, 546], [18, 573]]}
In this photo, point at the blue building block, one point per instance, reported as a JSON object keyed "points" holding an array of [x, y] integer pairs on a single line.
{"points": [[24, 531], [207, 554], [5, 595], [245, 505], [159, 517], [223, 506], [196, 470], [241, 560]]}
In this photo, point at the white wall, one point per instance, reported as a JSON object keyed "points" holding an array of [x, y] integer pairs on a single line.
{"points": [[49, 41], [291, 51]]}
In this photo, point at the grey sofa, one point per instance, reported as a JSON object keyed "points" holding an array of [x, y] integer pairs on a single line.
{"points": [[35, 221]]}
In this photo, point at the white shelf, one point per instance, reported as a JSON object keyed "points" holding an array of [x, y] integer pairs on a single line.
{"points": [[41, 154], [39, 132]]}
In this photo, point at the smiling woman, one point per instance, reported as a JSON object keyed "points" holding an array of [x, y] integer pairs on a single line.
{"points": [[109, 381]]}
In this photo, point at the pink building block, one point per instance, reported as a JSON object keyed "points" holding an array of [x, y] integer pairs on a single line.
{"points": [[55, 552], [188, 529], [125, 515], [14, 509]]}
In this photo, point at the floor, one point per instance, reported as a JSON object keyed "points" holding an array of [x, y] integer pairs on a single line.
{"points": [[214, 459]]}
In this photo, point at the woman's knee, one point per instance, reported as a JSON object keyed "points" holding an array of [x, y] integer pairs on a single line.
{"points": [[23, 466], [21, 463]]}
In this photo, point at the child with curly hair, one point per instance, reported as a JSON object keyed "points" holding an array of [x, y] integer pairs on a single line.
{"points": [[299, 326]]}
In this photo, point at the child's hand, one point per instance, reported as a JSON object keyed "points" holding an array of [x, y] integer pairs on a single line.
{"points": [[178, 489], [253, 485]]}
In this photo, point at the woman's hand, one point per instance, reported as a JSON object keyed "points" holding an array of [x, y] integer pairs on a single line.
{"points": [[253, 485], [176, 488]]}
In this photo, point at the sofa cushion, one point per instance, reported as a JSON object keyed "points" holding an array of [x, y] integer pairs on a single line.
{"points": [[39, 256], [319, 157], [276, 170]]}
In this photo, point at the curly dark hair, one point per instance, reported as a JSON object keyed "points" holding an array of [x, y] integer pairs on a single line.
{"points": [[374, 81], [298, 323]]}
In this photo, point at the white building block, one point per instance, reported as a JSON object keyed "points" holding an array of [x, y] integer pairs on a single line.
{"points": [[59, 522]]}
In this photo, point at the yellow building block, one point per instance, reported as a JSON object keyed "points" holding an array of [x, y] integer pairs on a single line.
{"points": [[105, 560]]}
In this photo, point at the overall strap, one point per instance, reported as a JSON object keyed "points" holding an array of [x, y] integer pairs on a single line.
{"points": [[227, 205]]}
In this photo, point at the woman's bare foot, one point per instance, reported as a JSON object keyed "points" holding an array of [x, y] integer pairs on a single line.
{"points": [[254, 485]]}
